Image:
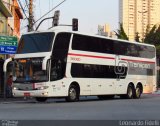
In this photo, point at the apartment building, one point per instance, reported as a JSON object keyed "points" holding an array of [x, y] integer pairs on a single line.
{"points": [[137, 15], [105, 30], [10, 15]]}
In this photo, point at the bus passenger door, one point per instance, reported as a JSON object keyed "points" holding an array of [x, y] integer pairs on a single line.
{"points": [[120, 70]]}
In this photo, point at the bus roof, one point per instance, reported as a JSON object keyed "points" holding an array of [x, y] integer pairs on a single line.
{"points": [[63, 29]]}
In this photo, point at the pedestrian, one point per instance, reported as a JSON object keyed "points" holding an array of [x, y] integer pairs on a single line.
{"points": [[9, 86]]}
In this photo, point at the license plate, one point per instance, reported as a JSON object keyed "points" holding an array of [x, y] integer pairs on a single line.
{"points": [[27, 94]]}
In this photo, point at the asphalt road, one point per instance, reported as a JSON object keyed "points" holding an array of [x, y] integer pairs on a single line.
{"points": [[91, 108]]}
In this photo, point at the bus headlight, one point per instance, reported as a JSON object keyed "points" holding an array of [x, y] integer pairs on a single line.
{"points": [[15, 88], [42, 88]]}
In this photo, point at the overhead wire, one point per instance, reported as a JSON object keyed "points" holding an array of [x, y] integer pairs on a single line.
{"points": [[24, 27], [48, 14], [27, 3], [40, 7], [24, 12], [22, 9], [50, 11]]}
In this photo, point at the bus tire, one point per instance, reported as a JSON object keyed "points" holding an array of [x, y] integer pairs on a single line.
{"points": [[73, 94], [41, 99], [138, 92], [130, 92]]}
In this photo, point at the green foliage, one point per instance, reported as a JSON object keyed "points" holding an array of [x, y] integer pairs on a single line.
{"points": [[147, 29], [137, 37], [150, 36], [121, 33], [153, 37]]}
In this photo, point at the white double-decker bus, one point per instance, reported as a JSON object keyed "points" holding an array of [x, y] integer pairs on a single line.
{"points": [[68, 64]]}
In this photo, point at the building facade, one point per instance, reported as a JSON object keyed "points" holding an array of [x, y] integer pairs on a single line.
{"points": [[11, 26], [10, 15], [138, 15], [5, 13], [104, 30]]}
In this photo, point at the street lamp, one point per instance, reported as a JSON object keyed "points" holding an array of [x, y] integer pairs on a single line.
{"points": [[142, 12]]}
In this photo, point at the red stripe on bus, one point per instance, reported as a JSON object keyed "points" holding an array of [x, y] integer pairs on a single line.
{"points": [[102, 57], [138, 61]]}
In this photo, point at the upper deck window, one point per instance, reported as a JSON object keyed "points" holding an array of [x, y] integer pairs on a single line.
{"points": [[35, 43], [110, 46]]}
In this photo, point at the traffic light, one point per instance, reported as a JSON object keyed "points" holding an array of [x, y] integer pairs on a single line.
{"points": [[56, 18], [75, 24]]}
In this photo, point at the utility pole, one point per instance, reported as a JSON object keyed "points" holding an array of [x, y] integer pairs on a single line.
{"points": [[30, 20]]}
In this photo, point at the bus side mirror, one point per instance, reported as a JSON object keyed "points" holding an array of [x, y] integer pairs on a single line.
{"points": [[44, 62], [5, 64]]}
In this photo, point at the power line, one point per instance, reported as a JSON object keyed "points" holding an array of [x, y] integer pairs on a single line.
{"points": [[40, 7], [50, 11], [27, 3], [24, 27], [22, 8]]}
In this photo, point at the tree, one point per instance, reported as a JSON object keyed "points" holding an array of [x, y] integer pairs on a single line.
{"points": [[149, 38], [153, 37], [121, 33], [137, 37]]}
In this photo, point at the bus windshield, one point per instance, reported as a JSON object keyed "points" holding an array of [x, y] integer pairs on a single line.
{"points": [[29, 71], [35, 43]]}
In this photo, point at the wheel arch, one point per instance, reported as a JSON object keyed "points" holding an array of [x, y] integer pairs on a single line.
{"points": [[131, 84], [74, 83]]}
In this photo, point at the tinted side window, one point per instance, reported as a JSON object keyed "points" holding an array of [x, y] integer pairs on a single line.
{"points": [[100, 45], [134, 50], [146, 51], [93, 71], [92, 44], [59, 56], [120, 48]]}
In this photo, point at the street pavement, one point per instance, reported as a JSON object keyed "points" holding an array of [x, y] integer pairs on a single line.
{"points": [[32, 99], [57, 111]]}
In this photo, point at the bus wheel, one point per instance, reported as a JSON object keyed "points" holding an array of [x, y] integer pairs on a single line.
{"points": [[138, 92], [130, 92], [72, 94], [41, 99]]}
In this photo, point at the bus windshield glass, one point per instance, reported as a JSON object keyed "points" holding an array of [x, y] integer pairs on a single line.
{"points": [[35, 43], [29, 71]]}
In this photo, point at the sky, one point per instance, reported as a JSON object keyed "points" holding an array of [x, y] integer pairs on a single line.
{"points": [[90, 13]]}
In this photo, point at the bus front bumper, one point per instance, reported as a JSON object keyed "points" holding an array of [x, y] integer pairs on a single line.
{"points": [[34, 93]]}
